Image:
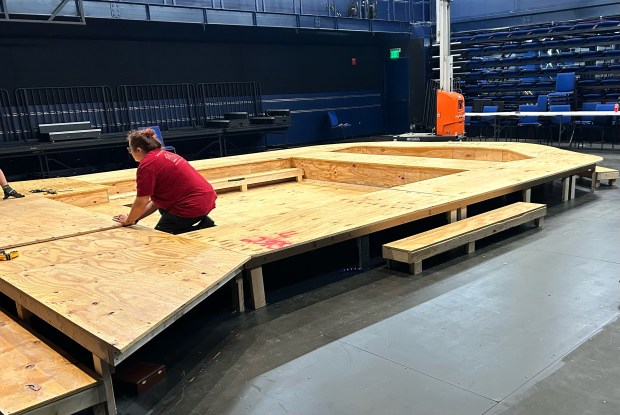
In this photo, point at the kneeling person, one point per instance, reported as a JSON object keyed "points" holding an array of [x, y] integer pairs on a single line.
{"points": [[167, 182]]}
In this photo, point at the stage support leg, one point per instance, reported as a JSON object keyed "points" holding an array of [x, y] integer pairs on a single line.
{"points": [[527, 195], [363, 249], [103, 369], [257, 287], [461, 213], [470, 248], [24, 314], [565, 188], [452, 216], [415, 268], [237, 293]]}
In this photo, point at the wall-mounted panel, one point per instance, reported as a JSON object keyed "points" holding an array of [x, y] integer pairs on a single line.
{"points": [[247, 5], [281, 6], [225, 17], [276, 20], [176, 14]]}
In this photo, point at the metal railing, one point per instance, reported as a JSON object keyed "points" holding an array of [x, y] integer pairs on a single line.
{"points": [[65, 105], [7, 127], [216, 99], [166, 105]]}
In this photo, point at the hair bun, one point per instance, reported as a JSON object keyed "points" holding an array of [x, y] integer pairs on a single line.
{"points": [[149, 132]]}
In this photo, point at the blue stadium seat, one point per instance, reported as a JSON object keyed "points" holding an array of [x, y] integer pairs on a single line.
{"points": [[564, 89]]}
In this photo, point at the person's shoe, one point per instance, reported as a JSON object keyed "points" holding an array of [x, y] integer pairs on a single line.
{"points": [[10, 192]]}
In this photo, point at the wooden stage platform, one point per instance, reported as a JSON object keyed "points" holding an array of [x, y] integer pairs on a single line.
{"points": [[112, 289]]}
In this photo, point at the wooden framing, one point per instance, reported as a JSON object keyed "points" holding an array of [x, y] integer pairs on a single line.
{"points": [[112, 289]]}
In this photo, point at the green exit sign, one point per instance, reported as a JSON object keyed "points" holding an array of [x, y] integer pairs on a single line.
{"points": [[395, 53]]}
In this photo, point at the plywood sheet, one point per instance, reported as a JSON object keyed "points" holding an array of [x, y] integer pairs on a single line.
{"points": [[67, 190], [33, 373], [350, 217], [36, 219], [112, 290], [239, 207]]}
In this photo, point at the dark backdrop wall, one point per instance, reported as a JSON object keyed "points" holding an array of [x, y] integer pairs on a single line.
{"points": [[282, 61], [308, 71]]}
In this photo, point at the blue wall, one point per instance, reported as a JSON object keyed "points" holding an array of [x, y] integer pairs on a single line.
{"points": [[362, 109]]}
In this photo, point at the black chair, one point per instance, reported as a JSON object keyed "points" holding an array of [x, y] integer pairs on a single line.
{"points": [[491, 120], [604, 123], [528, 121], [585, 121], [563, 122], [334, 123]]}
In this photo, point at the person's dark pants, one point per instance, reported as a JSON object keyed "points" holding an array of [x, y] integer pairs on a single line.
{"points": [[175, 224]]}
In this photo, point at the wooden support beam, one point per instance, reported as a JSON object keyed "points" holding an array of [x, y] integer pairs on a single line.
{"points": [[565, 189], [237, 293], [104, 370], [527, 195], [573, 184], [257, 287], [470, 248], [461, 213], [415, 268], [452, 216], [24, 314], [363, 249]]}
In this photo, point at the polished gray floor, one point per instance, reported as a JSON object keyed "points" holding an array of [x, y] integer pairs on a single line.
{"points": [[526, 325]]}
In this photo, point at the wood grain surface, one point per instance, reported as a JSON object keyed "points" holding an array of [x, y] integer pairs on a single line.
{"points": [[33, 373], [37, 219], [108, 290], [114, 289]]}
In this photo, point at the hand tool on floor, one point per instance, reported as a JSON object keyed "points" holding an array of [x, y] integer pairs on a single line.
{"points": [[8, 255], [46, 191]]}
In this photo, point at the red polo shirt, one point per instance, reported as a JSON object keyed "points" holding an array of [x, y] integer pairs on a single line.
{"points": [[174, 185]]}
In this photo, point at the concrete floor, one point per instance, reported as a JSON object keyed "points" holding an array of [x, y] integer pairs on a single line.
{"points": [[526, 325]]}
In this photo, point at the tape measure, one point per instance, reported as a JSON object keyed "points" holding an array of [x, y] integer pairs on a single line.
{"points": [[7, 256]]}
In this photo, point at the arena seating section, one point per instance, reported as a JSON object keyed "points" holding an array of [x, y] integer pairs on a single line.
{"points": [[568, 63], [516, 65]]}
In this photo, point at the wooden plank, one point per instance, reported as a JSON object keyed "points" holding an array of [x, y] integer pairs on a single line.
{"points": [[242, 181], [369, 174], [113, 290], [605, 173], [68, 190], [38, 219], [424, 245], [458, 151], [257, 287], [276, 236], [33, 375], [239, 207]]}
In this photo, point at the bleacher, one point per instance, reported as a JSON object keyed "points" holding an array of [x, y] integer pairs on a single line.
{"points": [[516, 65]]}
